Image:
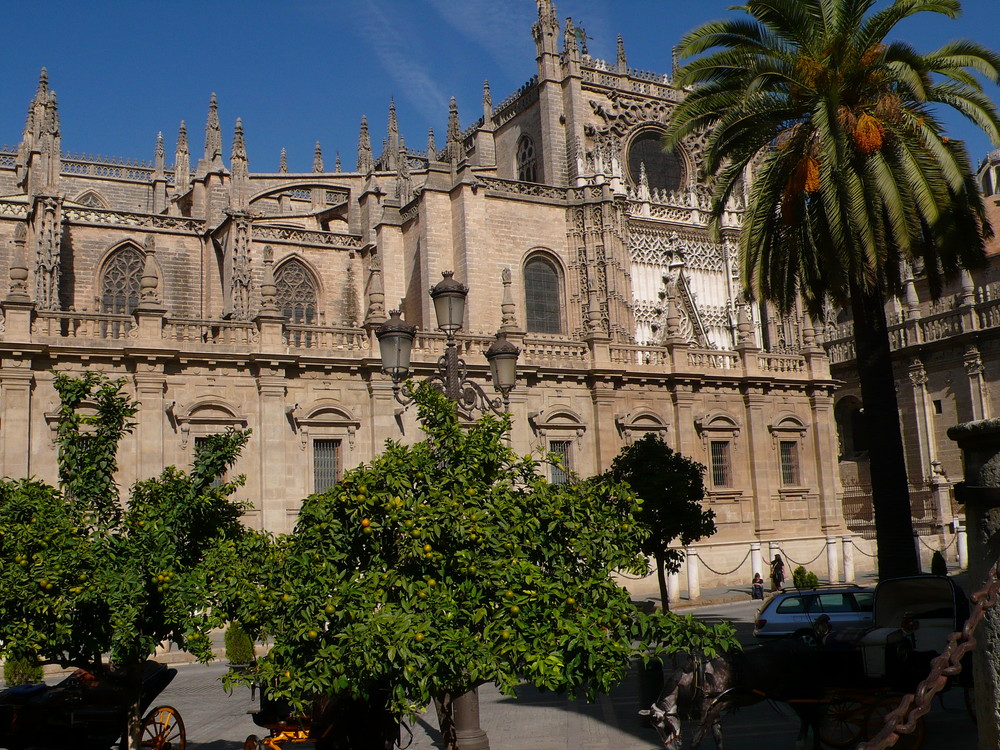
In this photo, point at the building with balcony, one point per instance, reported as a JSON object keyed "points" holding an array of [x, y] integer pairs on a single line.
{"points": [[227, 296]]}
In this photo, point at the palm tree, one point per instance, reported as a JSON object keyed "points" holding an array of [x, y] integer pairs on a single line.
{"points": [[852, 178]]}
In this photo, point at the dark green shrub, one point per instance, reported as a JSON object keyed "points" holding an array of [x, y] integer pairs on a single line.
{"points": [[938, 566], [22, 671], [804, 579], [239, 647]]}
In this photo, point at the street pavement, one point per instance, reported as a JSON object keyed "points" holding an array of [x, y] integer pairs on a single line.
{"points": [[544, 721]]}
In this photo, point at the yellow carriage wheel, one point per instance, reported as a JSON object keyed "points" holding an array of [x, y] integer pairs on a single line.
{"points": [[163, 729], [844, 723]]}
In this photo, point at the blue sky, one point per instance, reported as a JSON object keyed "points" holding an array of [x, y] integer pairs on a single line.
{"points": [[299, 71]]}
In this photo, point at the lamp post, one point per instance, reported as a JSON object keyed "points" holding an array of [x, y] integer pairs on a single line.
{"points": [[395, 340]]}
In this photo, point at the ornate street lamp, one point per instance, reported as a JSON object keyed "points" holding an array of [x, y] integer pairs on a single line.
{"points": [[395, 340]]}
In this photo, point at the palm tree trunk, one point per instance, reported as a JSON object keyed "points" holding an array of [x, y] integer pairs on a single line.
{"points": [[890, 489]]}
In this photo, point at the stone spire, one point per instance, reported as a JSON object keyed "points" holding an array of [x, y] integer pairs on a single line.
{"points": [[508, 318], [570, 45], [318, 158], [365, 163], [404, 190], [149, 283], [182, 160], [283, 162], [392, 145], [240, 194], [18, 272], [159, 157], [268, 289], [487, 104], [213, 133], [744, 326], [431, 146], [454, 132], [39, 153], [159, 177], [621, 59], [375, 314], [643, 182], [336, 164], [546, 29]]}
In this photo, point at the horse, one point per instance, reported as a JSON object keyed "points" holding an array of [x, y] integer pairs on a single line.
{"points": [[705, 689]]}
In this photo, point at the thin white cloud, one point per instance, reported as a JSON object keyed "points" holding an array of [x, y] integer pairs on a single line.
{"points": [[395, 54], [500, 27]]}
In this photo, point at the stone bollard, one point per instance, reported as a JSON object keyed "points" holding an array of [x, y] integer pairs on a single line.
{"points": [[694, 584], [962, 542], [832, 566], [673, 587], [755, 566], [848, 544], [980, 445]]}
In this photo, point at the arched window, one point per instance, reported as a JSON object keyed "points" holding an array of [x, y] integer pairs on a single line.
{"points": [[664, 169], [543, 302], [526, 160], [295, 293], [120, 282]]}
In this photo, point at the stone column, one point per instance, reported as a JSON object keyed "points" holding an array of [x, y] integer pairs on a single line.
{"points": [[16, 382], [962, 542], [755, 566], [673, 588], [923, 420], [980, 445], [150, 384], [758, 443], [272, 436]]}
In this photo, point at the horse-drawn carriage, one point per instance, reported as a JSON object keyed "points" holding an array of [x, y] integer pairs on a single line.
{"points": [[88, 710], [843, 687]]}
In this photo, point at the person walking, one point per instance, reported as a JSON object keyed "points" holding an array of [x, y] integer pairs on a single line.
{"points": [[777, 573]]}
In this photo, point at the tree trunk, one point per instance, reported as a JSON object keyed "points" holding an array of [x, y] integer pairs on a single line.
{"points": [[661, 578], [446, 721], [890, 489]]}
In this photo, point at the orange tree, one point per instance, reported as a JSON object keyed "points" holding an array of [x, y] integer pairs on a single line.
{"points": [[672, 486], [451, 563], [82, 576]]}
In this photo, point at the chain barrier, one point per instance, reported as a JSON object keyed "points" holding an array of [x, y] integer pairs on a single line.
{"points": [[903, 719], [803, 564], [944, 549], [728, 572], [866, 554]]}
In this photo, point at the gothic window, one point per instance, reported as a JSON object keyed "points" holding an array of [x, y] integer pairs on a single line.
{"points": [[93, 199], [664, 169], [526, 171], [120, 282], [543, 303], [295, 293]]}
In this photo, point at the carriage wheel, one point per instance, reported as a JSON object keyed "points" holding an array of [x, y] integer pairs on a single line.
{"points": [[844, 723], [876, 720], [163, 729], [252, 743]]}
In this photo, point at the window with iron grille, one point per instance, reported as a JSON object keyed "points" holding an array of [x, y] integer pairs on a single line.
{"points": [[199, 443], [541, 296], [326, 464], [526, 161], [722, 473], [560, 474], [789, 455], [120, 284]]}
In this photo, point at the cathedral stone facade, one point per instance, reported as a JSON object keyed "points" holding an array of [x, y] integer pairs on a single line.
{"points": [[226, 296]]}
